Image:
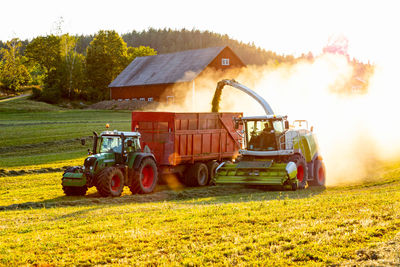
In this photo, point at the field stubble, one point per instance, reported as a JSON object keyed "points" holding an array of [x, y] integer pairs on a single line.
{"points": [[230, 225]]}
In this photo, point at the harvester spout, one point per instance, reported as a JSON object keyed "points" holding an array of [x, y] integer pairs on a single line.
{"points": [[218, 91]]}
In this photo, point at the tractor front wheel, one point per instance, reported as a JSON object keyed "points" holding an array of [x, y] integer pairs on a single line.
{"points": [[319, 174], [146, 177], [302, 171], [110, 182]]}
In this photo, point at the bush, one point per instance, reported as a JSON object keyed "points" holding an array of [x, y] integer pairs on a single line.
{"points": [[51, 96], [36, 93]]}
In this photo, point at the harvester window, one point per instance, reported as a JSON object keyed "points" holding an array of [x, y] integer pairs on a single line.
{"points": [[261, 135], [278, 126]]}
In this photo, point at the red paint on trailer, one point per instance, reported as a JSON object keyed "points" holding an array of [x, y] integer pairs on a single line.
{"points": [[184, 138]]}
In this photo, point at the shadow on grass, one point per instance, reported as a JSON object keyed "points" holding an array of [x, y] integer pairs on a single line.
{"points": [[189, 195]]}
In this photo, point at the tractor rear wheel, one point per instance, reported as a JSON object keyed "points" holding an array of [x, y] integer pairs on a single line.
{"points": [[211, 166], [302, 171], [319, 174], [146, 178], [110, 182], [196, 175]]}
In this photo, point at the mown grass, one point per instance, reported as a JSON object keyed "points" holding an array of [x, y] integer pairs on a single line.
{"points": [[223, 225], [315, 227], [38, 133]]}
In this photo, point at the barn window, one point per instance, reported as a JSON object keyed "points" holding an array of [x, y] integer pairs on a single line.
{"points": [[150, 99], [225, 62], [170, 99], [142, 99]]}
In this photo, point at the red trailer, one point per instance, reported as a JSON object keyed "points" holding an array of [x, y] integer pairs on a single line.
{"points": [[188, 144]]}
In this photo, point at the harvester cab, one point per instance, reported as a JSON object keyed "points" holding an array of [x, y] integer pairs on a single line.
{"points": [[119, 161], [273, 152]]}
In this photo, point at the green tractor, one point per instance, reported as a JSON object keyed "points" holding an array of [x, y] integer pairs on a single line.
{"points": [[120, 161], [273, 152]]}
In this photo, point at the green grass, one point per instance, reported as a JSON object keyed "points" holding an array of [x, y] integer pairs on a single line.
{"points": [[38, 133], [223, 225], [219, 225]]}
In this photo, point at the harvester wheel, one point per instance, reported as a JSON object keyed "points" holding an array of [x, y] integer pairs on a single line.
{"points": [[146, 177], [196, 175], [302, 171], [110, 182], [75, 190], [211, 166], [319, 174]]}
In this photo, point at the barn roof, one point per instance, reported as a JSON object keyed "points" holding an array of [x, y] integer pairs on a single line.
{"points": [[166, 68]]}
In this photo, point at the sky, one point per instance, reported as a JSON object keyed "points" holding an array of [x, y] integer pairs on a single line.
{"points": [[285, 27]]}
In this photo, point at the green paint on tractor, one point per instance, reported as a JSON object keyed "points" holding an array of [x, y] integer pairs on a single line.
{"points": [[120, 162]]}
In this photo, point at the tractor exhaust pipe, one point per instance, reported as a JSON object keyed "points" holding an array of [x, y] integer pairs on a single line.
{"points": [[95, 138]]}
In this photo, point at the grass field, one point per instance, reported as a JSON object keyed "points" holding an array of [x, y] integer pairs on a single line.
{"points": [[344, 225]]}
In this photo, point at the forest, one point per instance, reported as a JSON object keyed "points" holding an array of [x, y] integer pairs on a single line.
{"points": [[64, 67]]}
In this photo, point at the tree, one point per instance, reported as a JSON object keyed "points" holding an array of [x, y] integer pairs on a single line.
{"points": [[13, 74], [106, 57], [45, 50], [63, 66], [141, 51]]}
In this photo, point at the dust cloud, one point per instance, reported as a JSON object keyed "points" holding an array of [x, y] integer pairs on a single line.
{"points": [[356, 131]]}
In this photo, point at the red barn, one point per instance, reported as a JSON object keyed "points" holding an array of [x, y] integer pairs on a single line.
{"points": [[154, 77]]}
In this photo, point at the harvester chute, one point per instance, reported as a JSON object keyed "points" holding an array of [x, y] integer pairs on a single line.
{"points": [[273, 153]]}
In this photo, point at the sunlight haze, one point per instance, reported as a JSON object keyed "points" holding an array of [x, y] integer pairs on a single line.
{"points": [[285, 27]]}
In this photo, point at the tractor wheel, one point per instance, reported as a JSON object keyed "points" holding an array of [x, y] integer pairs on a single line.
{"points": [[196, 175], [302, 171], [319, 174], [146, 177], [211, 167], [110, 182], [75, 190]]}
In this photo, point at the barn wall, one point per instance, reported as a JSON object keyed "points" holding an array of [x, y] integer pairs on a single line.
{"points": [[146, 91], [234, 60]]}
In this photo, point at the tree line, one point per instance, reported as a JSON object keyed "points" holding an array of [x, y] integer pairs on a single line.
{"points": [[62, 66], [53, 68]]}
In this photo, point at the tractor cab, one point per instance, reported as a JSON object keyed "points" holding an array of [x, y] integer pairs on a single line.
{"points": [[116, 145]]}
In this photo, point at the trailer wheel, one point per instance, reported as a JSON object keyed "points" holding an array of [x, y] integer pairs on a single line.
{"points": [[302, 172], [319, 174], [196, 175], [146, 177], [211, 167], [110, 182]]}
